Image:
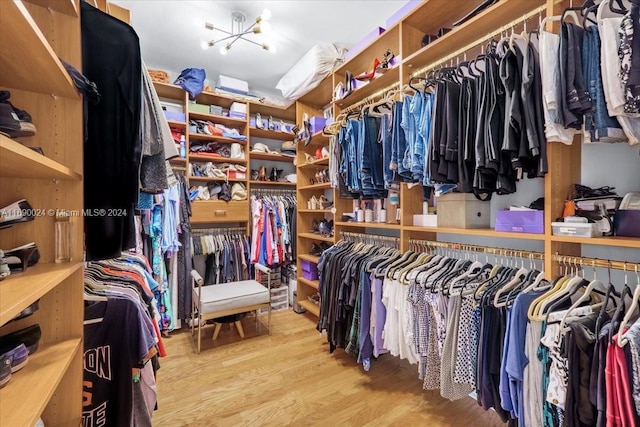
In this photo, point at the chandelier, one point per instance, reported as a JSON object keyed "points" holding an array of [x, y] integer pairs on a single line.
{"points": [[238, 32]]}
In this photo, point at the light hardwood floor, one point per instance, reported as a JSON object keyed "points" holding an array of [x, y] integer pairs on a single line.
{"points": [[289, 378]]}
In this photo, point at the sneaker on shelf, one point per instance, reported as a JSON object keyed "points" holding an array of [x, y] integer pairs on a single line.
{"points": [[19, 356], [4, 267], [259, 123], [14, 122], [5, 370]]}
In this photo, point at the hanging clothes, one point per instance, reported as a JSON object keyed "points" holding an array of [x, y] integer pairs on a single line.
{"points": [[122, 343], [220, 256], [272, 229]]}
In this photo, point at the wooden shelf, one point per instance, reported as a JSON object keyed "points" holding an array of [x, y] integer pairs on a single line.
{"points": [[321, 95], [214, 159], [174, 124], [316, 163], [208, 179], [167, 90], [321, 186], [368, 225], [270, 134], [214, 118], [223, 100], [363, 60], [68, 7], [273, 183], [203, 137], [313, 283], [311, 258], [271, 157], [311, 307], [25, 397], [496, 16], [379, 83], [275, 111], [324, 211], [20, 290], [27, 60], [19, 161], [486, 232], [318, 139], [313, 236], [623, 242], [178, 160]]}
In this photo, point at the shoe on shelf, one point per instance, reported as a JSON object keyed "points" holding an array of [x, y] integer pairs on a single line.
{"points": [[5, 370], [326, 228], [325, 203], [15, 213], [369, 75], [313, 203], [288, 148], [259, 123], [4, 267], [19, 356], [315, 226], [324, 153], [27, 311], [29, 336], [22, 257], [270, 124], [237, 152], [14, 122]]}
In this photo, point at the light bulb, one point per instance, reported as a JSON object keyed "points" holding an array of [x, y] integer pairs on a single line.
{"points": [[224, 49], [265, 28], [204, 45], [266, 15]]}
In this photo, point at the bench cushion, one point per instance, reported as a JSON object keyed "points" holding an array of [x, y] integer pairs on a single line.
{"points": [[230, 296]]}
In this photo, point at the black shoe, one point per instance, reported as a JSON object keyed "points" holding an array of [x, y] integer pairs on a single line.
{"points": [[15, 213], [29, 336], [14, 121]]}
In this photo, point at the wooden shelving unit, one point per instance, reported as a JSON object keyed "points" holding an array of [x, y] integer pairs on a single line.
{"points": [[19, 405], [312, 283], [270, 134], [34, 34], [272, 157], [214, 159], [215, 138], [317, 237], [321, 186], [224, 120], [309, 306], [372, 225], [487, 232], [273, 184], [310, 258], [19, 161], [324, 162]]}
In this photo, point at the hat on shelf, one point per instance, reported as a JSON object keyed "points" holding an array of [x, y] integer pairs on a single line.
{"points": [[261, 148], [288, 148]]}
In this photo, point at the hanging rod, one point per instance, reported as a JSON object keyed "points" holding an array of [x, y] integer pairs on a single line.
{"points": [[369, 98], [372, 239], [217, 231], [596, 262], [537, 11], [418, 244], [273, 191]]}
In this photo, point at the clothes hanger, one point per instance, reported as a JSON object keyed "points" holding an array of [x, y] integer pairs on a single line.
{"points": [[583, 298], [621, 8], [622, 339]]}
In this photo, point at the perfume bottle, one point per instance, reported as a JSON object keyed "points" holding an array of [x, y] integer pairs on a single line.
{"points": [[64, 236]]}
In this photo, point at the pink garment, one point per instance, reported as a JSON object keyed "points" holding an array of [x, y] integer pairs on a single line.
{"points": [[255, 232], [625, 403], [610, 372]]}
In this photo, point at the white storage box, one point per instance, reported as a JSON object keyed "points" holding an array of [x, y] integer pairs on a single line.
{"points": [[238, 107], [430, 220], [232, 85], [462, 210], [575, 229]]}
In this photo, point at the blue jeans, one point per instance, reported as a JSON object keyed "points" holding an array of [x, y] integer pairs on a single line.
{"points": [[386, 139], [600, 125], [370, 171], [416, 162], [409, 127], [424, 130]]}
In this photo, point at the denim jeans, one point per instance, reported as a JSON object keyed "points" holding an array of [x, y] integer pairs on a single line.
{"points": [[398, 140], [424, 130], [370, 150], [416, 162], [385, 138], [599, 124], [409, 127], [352, 135]]}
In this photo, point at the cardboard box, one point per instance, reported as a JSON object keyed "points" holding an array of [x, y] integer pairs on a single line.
{"points": [[357, 48], [520, 221], [237, 115], [215, 109], [575, 229], [402, 12], [430, 220], [232, 85], [462, 210]]}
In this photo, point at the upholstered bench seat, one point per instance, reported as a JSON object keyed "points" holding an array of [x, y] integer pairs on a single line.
{"points": [[230, 296]]}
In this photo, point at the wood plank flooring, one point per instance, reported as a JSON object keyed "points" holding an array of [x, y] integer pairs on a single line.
{"points": [[289, 378]]}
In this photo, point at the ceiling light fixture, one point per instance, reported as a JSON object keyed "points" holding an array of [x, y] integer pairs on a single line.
{"points": [[238, 32]]}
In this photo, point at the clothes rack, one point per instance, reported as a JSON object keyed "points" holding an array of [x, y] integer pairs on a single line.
{"points": [[218, 231], [417, 245], [388, 241], [272, 192], [578, 261]]}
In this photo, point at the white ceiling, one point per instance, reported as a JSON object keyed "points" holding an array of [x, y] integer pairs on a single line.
{"points": [[171, 32]]}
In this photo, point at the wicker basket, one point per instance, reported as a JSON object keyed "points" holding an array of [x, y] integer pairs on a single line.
{"points": [[159, 76]]}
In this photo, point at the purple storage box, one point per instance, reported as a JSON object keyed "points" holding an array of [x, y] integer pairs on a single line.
{"points": [[237, 115], [175, 116], [363, 43], [317, 123], [627, 223], [520, 221], [402, 12], [309, 270]]}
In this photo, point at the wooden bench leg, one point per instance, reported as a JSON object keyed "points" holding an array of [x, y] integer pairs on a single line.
{"points": [[239, 328], [216, 331]]}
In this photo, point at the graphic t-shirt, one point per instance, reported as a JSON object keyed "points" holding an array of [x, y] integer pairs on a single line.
{"points": [[112, 349]]}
